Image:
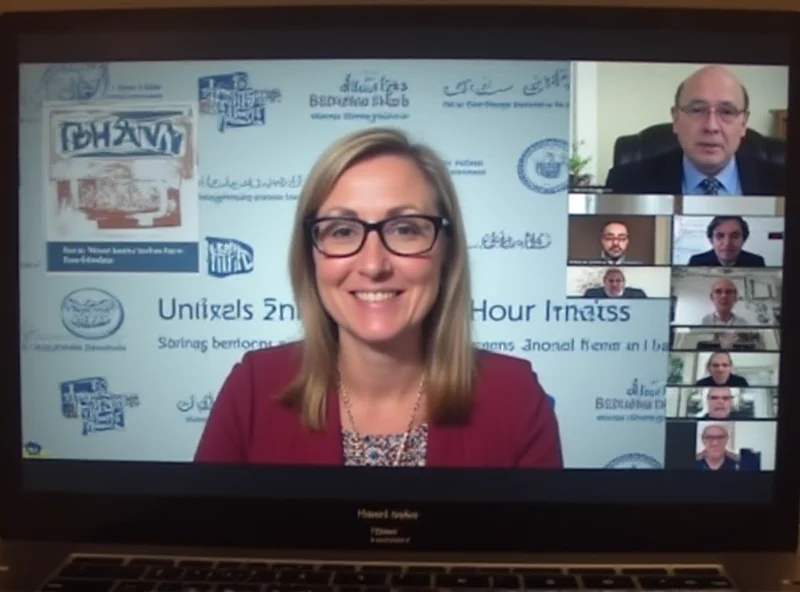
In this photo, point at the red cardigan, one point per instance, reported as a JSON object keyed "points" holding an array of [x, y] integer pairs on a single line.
{"points": [[512, 425]]}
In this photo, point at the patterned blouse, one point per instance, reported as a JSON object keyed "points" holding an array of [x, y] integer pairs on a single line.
{"points": [[381, 451]]}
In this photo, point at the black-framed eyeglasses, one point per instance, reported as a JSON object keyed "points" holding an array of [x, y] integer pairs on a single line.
{"points": [[725, 112], [405, 235]]}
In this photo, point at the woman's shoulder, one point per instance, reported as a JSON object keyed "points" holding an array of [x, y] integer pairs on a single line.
{"points": [[492, 365], [286, 356], [515, 413], [249, 397], [272, 368], [504, 378], [262, 373]]}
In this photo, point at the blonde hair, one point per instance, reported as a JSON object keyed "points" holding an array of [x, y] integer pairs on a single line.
{"points": [[447, 331]]}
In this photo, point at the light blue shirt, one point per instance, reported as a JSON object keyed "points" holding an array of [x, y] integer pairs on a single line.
{"points": [[728, 178]]}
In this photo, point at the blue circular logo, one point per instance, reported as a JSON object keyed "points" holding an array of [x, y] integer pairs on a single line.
{"points": [[543, 167], [634, 460], [91, 313], [33, 448]]}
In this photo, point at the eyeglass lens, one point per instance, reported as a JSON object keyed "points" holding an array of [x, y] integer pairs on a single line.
{"points": [[407, 235]]}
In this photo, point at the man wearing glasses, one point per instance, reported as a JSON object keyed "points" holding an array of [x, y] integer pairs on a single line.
{"points": [[720, 404], [724, 296], [709, 119], [715, 455]]}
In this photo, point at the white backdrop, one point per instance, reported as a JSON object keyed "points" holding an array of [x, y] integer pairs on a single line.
{"points": [[128, 365]]}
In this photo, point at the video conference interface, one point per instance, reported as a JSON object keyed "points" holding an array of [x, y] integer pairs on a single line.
{"points": [[596, 157], [724, 337]]}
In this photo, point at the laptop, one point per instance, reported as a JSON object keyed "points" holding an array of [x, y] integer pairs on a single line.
{"points": [[622, 176]]}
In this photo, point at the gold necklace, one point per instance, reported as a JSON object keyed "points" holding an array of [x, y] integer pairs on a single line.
{"points": [[406, 435]]}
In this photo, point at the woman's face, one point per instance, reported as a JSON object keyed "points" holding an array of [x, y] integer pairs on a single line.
{"points": [[374, 295]]}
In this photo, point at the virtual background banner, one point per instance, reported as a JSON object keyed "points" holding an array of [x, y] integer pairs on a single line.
{"points": [[134, 356]]}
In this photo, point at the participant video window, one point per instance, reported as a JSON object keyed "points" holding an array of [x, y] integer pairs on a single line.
{"points": [[741, 206], [727, 241], [611, 239], [735, 445], [679, 129], [618, 282], [722, 297], [615, 205], [722, 402], [723, 368], [713, 339]]}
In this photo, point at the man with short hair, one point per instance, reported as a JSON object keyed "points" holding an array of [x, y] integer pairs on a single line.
{"points": [[709, 118], [727, 235]]}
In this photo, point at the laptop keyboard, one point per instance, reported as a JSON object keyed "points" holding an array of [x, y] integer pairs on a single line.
{"points": [[161, 574]]}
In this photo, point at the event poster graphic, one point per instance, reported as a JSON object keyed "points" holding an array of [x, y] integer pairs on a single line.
{"points": [[121, 187]]}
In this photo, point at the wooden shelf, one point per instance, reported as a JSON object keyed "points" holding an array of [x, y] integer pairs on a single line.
{"points": [[779, 122]]}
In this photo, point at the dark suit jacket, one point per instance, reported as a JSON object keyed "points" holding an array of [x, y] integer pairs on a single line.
{"points": [[709, 259], [733, 380], [513, 424], [733, 415], [626, 293], [664, 174]]}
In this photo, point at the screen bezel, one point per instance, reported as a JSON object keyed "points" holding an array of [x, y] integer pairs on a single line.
{"points": [[449, 526]]}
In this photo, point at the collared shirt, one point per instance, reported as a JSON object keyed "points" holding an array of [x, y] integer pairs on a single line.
{"points": [[734, 321], [727, 177], [621, 261]]}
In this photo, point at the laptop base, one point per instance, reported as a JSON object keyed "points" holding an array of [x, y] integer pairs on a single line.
{"points": [[26, 566]]}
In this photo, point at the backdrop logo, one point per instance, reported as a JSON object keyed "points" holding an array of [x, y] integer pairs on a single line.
{"points": [[91, 401], [226, 257], [365, 96], [196, 409], [543, 166], [634, 460], [123, 133], [655, 388], [66, 83], [81, 83], [235, 103], [91, 313], [33, 450], [502, 240], [75, 82]]}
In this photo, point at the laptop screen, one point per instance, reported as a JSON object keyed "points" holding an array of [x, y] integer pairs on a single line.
{"points": [[574, 283]]}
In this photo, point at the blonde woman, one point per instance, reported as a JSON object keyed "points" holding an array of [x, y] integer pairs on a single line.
{"points": [[386, 373]]}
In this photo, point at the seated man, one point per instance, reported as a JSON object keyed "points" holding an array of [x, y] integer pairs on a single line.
{"points": [[614, 287], [720, 404], [614, 241], [724, 296], [709, 118], [727, 235], [715, 455], [720, 372]]}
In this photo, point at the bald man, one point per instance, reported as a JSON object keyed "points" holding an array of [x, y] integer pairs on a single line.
{"points": [[709, 119], [724, 296]]}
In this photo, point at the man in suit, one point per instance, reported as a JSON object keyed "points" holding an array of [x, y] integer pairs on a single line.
{"points": [[727, 235], [709, 118], [614, 287], [614, 241]]}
